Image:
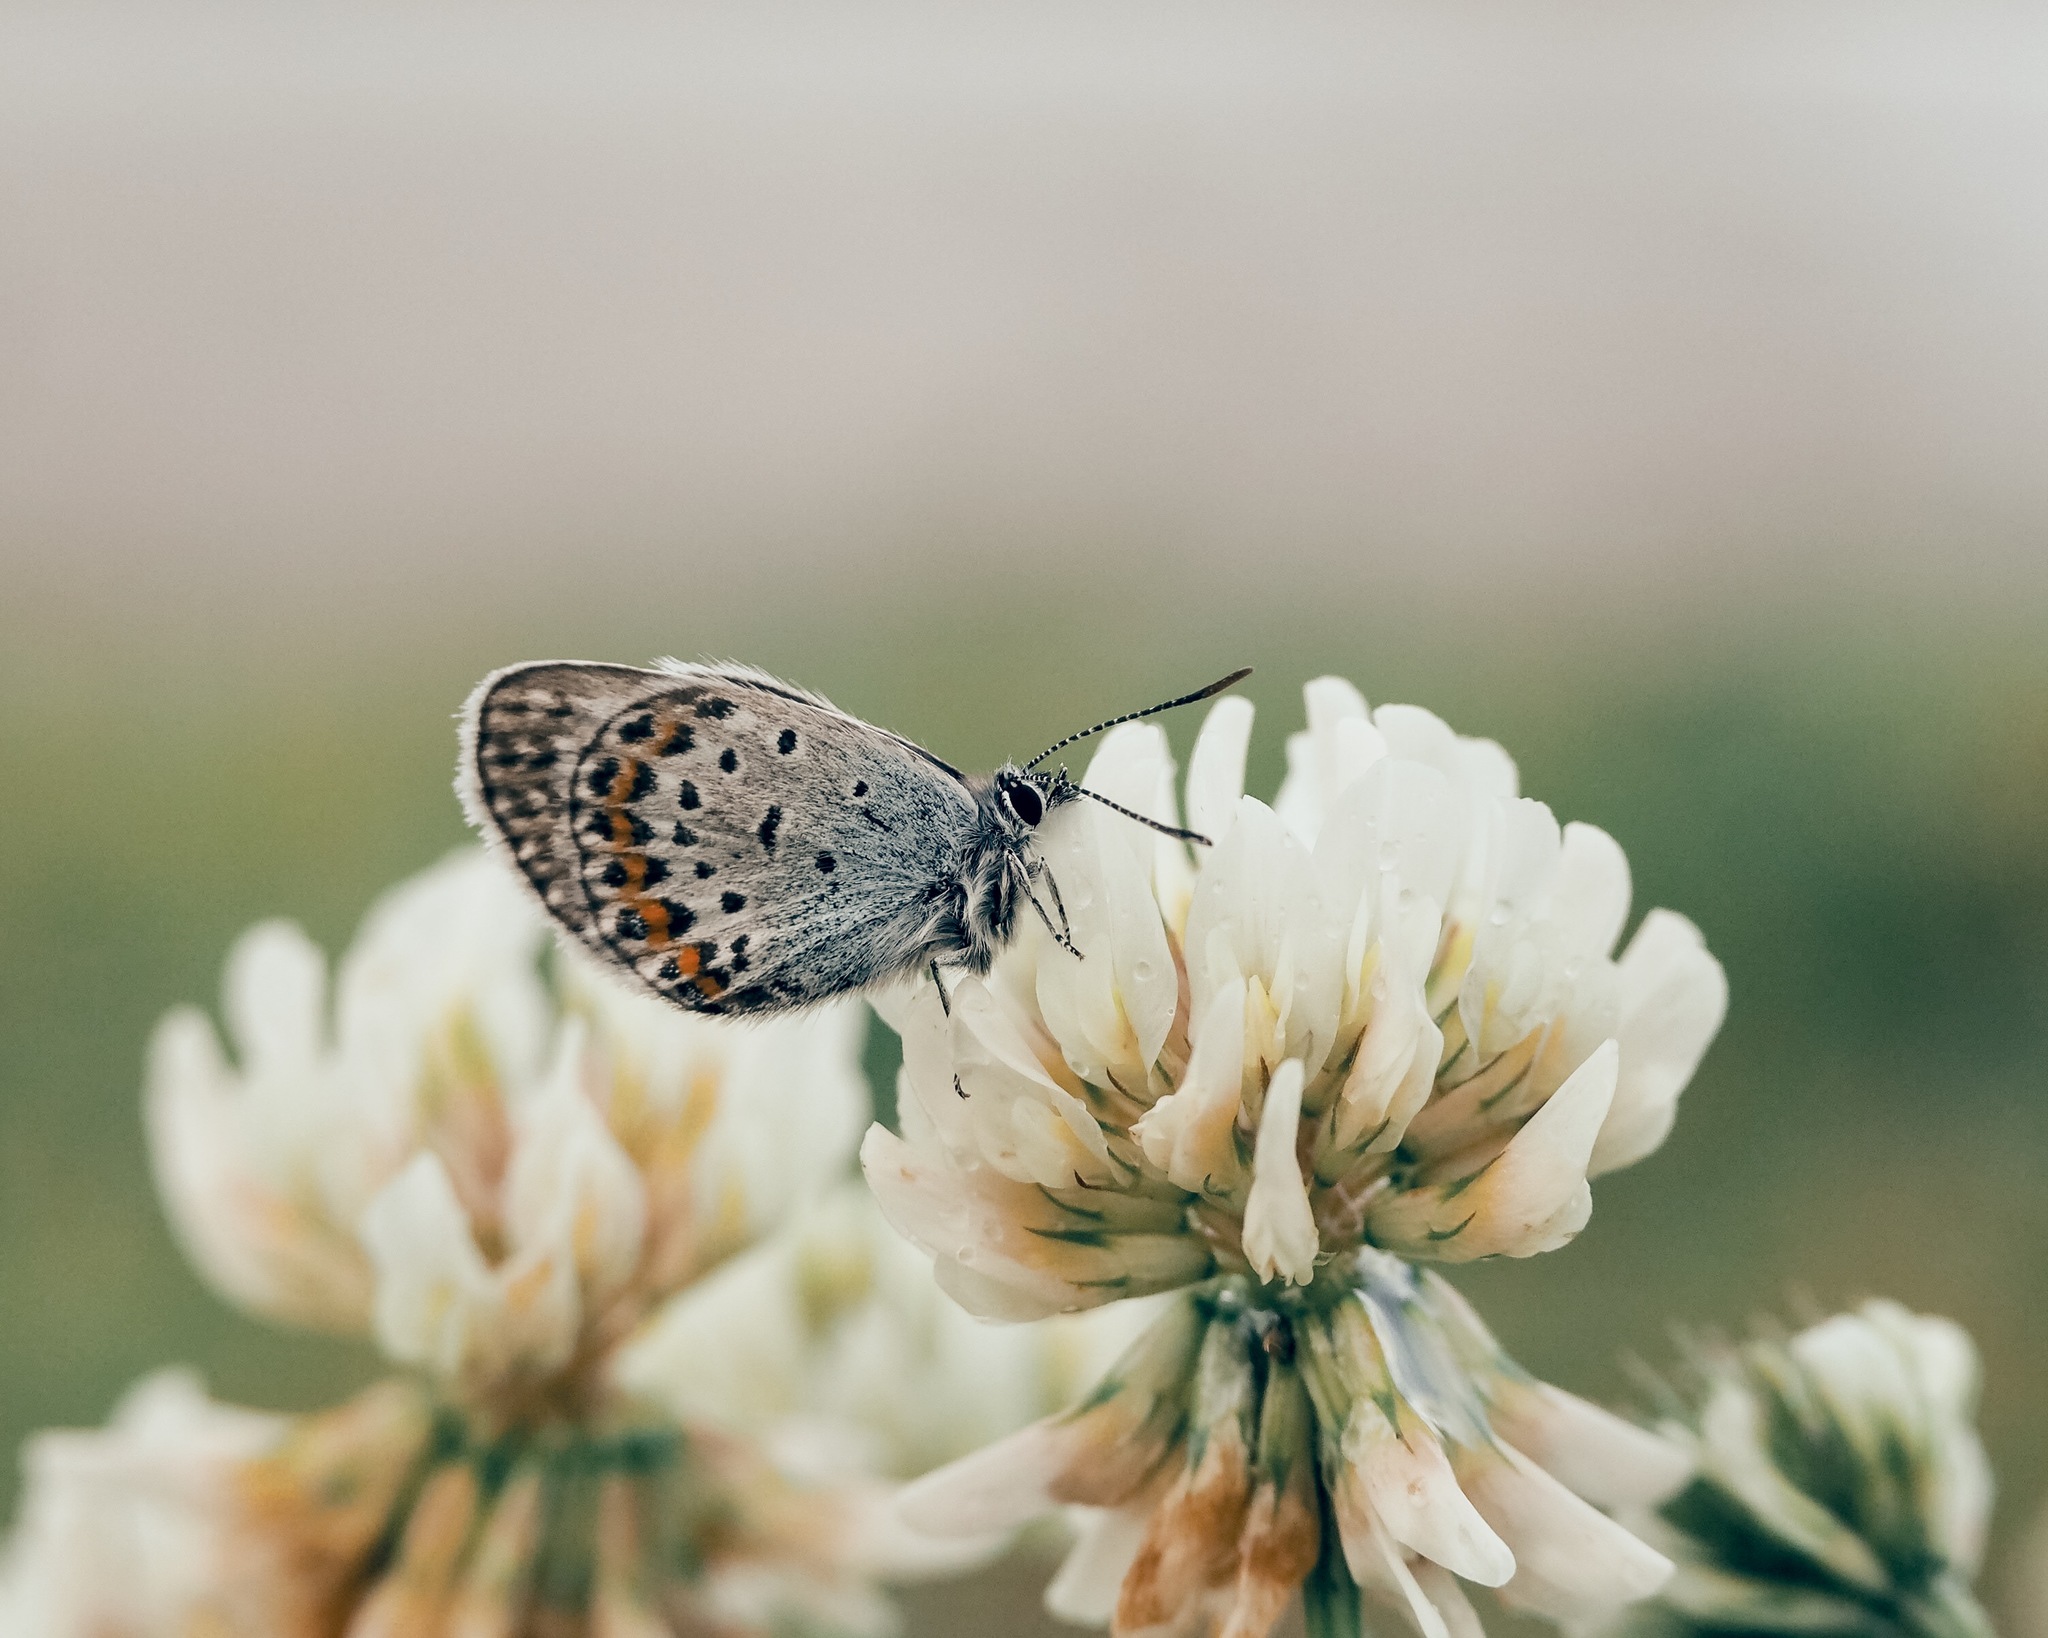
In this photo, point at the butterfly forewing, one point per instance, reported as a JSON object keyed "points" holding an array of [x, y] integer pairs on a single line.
{"points": [[737, 845]]}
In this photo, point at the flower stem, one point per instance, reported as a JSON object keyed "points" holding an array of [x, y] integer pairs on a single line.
{"points": [[1329, 1598]]}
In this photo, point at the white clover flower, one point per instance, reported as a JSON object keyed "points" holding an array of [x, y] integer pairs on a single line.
{"points": [[1382, 1016], [1384, 1012], [406, 1517], [499, 1181], [120, 1529], [388, 1516], [502, 1180], [1840, 1483]]}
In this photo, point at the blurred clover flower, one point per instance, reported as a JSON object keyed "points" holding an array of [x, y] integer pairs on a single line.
{"points": [[118, 1535], [498, 1180], [1839, 1483], [503, 1181], [1381, 1016], [831, 1341]]}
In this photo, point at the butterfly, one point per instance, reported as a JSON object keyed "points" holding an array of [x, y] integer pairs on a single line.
{"points": [[742, 846]]}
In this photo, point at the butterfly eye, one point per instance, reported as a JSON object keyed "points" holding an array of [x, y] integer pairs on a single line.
{"points": [[1026, 806]]}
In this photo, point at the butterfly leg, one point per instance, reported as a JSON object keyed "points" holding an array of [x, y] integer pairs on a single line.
{"points": [[1059, 935], [1058, 903], [946, 1006]]}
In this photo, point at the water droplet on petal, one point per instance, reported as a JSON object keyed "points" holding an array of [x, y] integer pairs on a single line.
{"points": [[1141, 970]]}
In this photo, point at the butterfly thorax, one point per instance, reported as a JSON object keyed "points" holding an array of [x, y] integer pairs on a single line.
{"points": [[998, 862]]}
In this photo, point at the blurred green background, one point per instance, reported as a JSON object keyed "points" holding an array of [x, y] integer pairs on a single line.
{"points": [[1660, 397]]}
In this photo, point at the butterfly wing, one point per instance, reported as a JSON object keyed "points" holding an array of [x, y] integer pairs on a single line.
{"points": [[737, 844]]}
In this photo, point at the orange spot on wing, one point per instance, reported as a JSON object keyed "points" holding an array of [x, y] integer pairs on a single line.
{"points": [[656, 920], [651, 911], [655, 914]]}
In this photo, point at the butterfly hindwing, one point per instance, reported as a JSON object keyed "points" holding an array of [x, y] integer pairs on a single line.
{"points": [[736, 844], [524, 730]]}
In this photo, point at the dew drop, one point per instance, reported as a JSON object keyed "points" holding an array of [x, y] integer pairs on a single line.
{"points": [[1141, 971]]}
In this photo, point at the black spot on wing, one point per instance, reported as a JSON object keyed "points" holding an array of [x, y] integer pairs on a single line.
{"points": [[683, 836], [771, 822], [680, 739], [827, 864], [729, 760], [706, 868], [687, 798], [637, 728], [733, 903], [717, 708], [785, 742]]}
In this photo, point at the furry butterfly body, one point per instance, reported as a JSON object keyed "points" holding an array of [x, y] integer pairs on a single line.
{"points": [[739, 845]]}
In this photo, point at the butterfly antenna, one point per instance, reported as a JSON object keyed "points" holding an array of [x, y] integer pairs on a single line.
{"points": [[1131, 813], [1215, 687]]}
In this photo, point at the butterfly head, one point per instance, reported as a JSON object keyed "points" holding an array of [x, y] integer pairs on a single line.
{"points": [[1024, 797]]}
